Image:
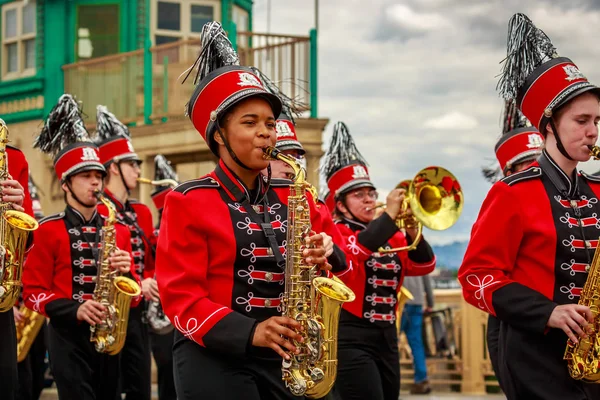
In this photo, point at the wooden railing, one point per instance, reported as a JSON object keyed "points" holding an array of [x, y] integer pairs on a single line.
{"points": [[118, 81], [466, 368]]}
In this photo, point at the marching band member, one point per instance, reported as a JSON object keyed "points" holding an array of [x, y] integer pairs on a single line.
{"points": [[369, 365], [123, 168], [535, 236], [13, 190], [162, 344], [61, 267], [519, 146], [220, 251], [33, 368]]}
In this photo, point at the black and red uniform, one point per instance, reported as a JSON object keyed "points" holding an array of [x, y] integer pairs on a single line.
{"points": [[60, 275], [218, 277], [519, 145], [135, 356], [19, 170], [368, 343], [520, 278]]}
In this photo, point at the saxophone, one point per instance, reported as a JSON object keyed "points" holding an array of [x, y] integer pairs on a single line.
{"points": [[15, 227], [155, 315], [310, 299], [583, 358], [112, 291], [27, 331]]}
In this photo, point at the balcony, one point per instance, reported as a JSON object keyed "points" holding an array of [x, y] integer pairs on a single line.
{"points": [[145, 85]]}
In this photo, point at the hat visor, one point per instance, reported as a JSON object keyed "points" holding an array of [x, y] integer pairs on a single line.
{"points": [[355, 185], [85, 168], [593, 89], [291, 146], [126, 157]]}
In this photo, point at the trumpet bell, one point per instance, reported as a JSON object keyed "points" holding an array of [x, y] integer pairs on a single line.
{"points": [[436, 198]]}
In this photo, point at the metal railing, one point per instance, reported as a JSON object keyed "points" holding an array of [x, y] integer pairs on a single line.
{"points": [[118, 81]]}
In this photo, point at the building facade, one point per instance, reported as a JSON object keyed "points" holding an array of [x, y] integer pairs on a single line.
{"points": [[129, 55]]}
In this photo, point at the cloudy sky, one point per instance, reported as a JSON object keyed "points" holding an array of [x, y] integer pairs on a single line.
{"points": [[415, 80]]}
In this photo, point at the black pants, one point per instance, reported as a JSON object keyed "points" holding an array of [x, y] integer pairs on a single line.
{"points": [[368, 362], [8, 356], [202, 374], [531, 367], [493, 330], [80, 372], [162, 349], [33, 368], [135, 358]]}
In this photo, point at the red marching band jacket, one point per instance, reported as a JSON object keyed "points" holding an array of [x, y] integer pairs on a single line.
{"points": [[60, 270], [532, 244], [377, 278], [130, 214], [19, 170], [216, 272]]}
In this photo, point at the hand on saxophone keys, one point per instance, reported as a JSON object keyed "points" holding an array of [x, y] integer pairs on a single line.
{"points": [[278, 333], [12, 192], [91, 312], [573, 319], [318, 248], [120, 260]]}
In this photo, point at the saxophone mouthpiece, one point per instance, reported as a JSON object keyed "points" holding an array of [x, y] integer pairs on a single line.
{"points": [[270, 153], [97, 193], [144, 180], [595, 152]]}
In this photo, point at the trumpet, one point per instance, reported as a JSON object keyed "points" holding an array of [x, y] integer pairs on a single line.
{"points": [[435, 199], [161, 182]]}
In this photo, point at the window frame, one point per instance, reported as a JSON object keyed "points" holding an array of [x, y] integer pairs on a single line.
{"points": [[185, 31], [20, 39]]}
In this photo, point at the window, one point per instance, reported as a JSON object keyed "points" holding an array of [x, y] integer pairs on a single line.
{"points": [[182, 19], [18, 39], [95, 37]]}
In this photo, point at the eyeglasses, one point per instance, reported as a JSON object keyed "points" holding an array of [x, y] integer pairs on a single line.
{"points": [[361, 194], [134, 163]]}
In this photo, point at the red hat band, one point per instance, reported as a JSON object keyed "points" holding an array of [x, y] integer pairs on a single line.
{"points": [[549, 86], [525, 143], [79, 157], [348, 177], [158, 198], [117, 149], [220, 89]]}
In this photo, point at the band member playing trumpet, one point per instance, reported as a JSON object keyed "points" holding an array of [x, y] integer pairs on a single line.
{"points": [[369, 365], [220, 255], [61, 268], [534, 241], [14, 191], [122, 171], [518, 147]]}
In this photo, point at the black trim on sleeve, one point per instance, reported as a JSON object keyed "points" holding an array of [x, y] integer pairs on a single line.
{"points": [[63, 311], [231, 334], [337, 259], [378, 232], [523, 307], [422, 254]]}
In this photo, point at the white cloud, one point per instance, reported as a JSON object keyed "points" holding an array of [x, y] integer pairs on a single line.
{"points": [[413, 95], [454, 120], [406, 18]]}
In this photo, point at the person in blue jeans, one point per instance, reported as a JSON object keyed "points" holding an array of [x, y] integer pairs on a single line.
{"points": [[412, 326]]}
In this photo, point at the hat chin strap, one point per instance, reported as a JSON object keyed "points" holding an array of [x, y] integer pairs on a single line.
{"points": [[230, 150], [123, 179], [559, 143], [68, 182]]}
